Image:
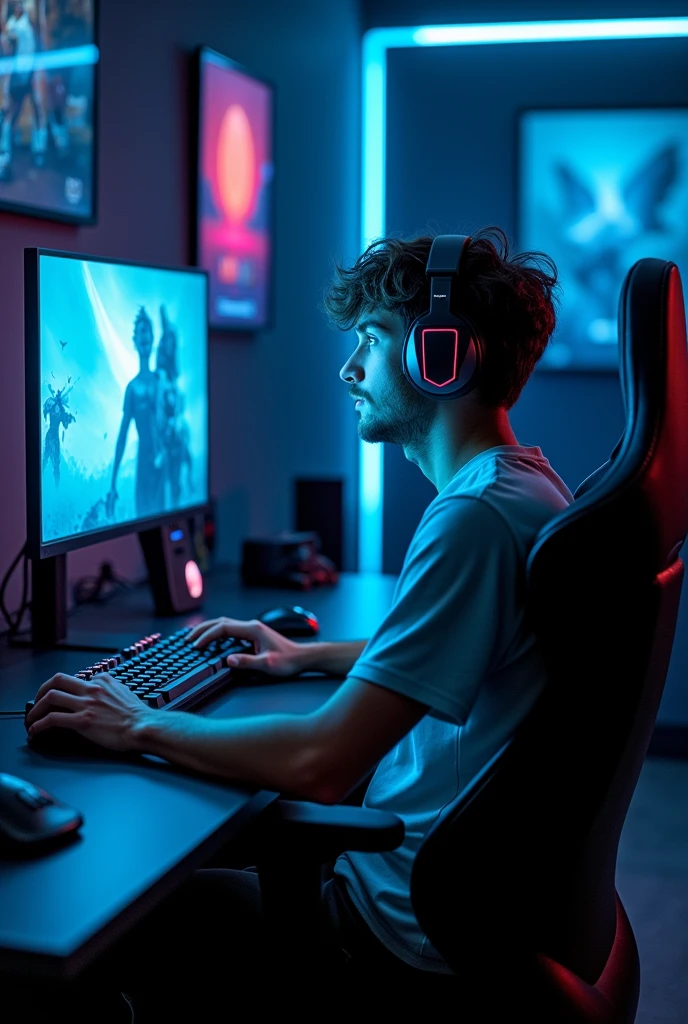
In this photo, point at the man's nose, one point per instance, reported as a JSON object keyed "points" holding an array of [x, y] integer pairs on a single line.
{"points": [[351, 372]]}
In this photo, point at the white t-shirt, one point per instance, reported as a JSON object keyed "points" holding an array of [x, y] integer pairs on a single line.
{"points": [[455, 639]]}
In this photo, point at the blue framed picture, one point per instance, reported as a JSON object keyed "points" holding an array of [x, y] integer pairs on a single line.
{"points": [[49, 61], [599, 189]]}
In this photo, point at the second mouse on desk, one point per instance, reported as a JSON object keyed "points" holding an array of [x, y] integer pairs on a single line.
{"points": [[291, 621], [31, 819]]}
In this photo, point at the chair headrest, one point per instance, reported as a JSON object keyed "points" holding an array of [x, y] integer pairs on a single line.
{"points": [[646, 476]]}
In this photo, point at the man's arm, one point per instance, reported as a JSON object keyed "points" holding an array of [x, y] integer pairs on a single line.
{"points": [[334, 658], [320, 756]]}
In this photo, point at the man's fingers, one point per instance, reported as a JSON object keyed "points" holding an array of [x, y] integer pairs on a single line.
{"points": [[201, 628], [229, 627], [60, 681], [54, 719], [216, 632], [51, 700], [257, 661]]}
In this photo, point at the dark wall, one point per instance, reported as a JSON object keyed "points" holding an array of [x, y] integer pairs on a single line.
{"points": [[451, 166], [278, 408]]}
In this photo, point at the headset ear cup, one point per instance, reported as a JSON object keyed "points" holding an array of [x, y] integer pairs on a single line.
{"points": [[468, 366], [471, 367], [409, 363], [468, 375]]}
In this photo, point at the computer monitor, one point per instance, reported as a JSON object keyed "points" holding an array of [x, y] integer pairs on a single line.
{"points": [[232, 200], [116, 360]]}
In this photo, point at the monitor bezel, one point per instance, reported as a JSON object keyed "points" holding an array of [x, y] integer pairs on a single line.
{"points": [[63, 216], [195, 177], [36, 547]]}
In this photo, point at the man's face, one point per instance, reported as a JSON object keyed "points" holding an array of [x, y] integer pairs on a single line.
{"points": [[388, 407], [143, 338]]}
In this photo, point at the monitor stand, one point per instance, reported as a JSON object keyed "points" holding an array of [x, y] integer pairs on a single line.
{"points": [[49, 614]]}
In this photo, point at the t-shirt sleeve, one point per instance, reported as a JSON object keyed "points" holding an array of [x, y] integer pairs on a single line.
{"points": [[453, 609]]}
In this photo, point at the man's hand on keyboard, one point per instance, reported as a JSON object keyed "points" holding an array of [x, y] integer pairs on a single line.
{"points": [[274, 654], [102, 710]]}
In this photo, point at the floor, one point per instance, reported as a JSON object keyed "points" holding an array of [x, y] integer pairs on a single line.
{"points": [[652, 880]]}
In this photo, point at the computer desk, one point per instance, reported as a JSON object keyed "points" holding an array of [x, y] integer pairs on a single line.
{"points": [[147, 824]]}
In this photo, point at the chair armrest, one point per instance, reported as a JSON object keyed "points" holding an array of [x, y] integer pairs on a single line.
{"points": [[320, 832]]}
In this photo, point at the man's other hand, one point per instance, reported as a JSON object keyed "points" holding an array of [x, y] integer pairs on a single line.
{"points": [[274, 654]]}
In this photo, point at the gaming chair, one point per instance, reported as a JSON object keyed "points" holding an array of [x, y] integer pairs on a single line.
{"points": [[515, 883]]}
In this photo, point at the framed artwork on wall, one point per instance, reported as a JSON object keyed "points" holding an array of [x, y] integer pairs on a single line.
{"points": [[599, 189], [48, 93], [232, 203]]}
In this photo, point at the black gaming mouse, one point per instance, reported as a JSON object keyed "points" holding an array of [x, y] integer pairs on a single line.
{"points": [[31, 818], [292, 621]]}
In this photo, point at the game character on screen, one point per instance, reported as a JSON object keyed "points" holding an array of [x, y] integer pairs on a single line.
{"points": [[141, 406], [20, 37], [55, 410], [174, 429]]}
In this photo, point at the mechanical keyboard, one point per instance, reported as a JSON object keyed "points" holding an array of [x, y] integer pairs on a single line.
{"points": [[167, 671]]}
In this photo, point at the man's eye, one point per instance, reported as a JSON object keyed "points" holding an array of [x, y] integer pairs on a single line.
{"points": [[370, 340]]}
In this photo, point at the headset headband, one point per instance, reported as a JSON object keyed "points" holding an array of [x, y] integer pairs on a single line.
{"points": [[444, 263]]}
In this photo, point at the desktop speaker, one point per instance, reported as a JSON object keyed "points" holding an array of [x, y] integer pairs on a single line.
{"points": [[319, 506], [174, 574]]}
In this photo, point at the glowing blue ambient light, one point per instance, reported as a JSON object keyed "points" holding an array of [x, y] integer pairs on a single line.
{"points": [[71, 57], [551, 31], [376, 42]]}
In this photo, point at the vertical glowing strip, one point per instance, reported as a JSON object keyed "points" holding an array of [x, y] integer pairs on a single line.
{"points": [[371, 461], [376, 42]]}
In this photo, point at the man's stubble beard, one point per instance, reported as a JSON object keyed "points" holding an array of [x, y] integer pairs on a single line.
{"points": [[405, 418]]}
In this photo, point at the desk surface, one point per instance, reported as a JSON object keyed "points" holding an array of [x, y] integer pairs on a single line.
{"points": [[147, 824]]}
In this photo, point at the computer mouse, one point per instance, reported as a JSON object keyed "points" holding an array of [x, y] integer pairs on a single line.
{"points": [[62, 741], [292, 621], [31, 818]]}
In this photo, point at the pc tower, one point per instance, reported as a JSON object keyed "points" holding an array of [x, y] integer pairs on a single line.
{"points": [[116, 357]]}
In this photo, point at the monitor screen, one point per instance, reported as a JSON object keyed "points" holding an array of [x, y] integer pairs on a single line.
{"points": [[117, 396], [48, 70], [234, 190]]}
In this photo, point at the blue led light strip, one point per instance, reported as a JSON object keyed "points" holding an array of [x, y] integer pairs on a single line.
{"points": [[71, 57], [376, 42]]}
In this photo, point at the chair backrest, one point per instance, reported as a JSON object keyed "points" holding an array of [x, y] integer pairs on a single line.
{"points": [[523, 863]]}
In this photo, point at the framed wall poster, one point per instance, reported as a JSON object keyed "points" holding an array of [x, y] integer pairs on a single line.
{"points": [[48, 87], [599, 189], [233, 185]]}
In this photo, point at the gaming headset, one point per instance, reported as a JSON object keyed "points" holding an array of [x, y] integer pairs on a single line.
{"points": [[443, 353]]}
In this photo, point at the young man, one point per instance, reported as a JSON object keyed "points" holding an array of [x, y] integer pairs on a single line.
{"points": [[450, 671]]}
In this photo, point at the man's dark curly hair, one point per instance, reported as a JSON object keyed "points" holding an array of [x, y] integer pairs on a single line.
{"points": [[510, 299]]}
